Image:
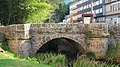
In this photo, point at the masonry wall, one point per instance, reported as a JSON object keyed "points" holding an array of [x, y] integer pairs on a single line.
{"points": [[97, 36]]}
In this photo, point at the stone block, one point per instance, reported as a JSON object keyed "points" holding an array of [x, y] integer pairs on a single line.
{"points": [[98, 46]]}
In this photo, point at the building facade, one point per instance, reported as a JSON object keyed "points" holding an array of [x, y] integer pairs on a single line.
{"points": [[112, 11], [104, 11], [95, 7], [99, 11], [73, 12]]}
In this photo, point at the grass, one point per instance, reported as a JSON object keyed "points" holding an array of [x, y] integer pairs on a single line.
{"points": [[19, 63], [10, 61], [85, 62]]}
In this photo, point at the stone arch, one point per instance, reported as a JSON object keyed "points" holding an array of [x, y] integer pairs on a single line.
{"points": [[38, 41]]}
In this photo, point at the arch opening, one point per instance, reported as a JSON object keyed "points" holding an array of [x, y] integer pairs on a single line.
{"points": [[65, 46]]}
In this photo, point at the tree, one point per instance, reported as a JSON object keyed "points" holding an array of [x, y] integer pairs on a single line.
{"points": [[37, 11], [29, 11], [24, 11], [60, 12]]}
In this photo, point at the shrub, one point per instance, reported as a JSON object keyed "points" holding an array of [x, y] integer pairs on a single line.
{"points": [[90, 55], [88, 33], [89, 63], [113, 50]]}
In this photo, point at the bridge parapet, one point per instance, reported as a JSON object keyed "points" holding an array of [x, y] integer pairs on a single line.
{"points": [[20, 31], [55, 28], [98, 30]]}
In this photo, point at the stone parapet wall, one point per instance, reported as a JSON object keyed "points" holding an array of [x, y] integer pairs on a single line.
{"points": [[98, 30], [22, 31], [54, 28], [114, 30], [16, 32]]}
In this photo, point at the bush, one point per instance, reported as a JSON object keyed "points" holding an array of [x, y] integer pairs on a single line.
{"points": [[113, 50], [90, 55], [88, 33], [4, 46], [80, 62]]}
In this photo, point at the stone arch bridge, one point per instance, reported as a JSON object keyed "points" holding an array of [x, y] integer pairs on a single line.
{"points": [[26, 39]]}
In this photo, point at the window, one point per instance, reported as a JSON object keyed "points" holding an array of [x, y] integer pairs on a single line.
{"points": [[118, 6], [79, 9], [100, 1], [85, 7], [97, 2], [108, 8], [97, 11], [111, 8], [89, 5], [94, 11], [101, 10], [94, 4]]}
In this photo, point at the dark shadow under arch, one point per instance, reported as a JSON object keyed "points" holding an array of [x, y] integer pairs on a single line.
{"points": [[62, 45], [70, 48]]}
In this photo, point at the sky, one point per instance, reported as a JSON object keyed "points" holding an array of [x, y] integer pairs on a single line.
{"points": [[67, 1]]}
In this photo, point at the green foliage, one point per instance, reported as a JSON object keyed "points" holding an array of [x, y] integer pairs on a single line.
{"points": [[6, 49], [30, 11], [54, 60], [61, 12], [19, 63], [88, 33], [5, 46], [91, 63], [90, 55], [9, 59], [37, 11], [24, 11], [113, 50]]}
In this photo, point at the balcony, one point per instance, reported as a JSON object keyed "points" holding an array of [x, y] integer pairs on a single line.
{"points": [[110, 1]]}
